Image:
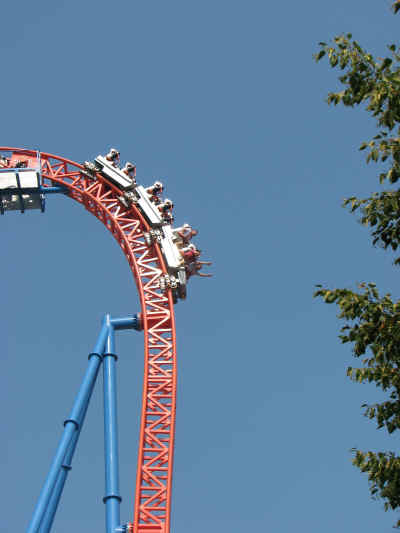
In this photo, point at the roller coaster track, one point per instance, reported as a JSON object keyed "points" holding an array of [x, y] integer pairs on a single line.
{"points": [[156, 442]]}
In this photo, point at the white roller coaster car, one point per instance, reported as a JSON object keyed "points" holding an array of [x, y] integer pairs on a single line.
{"points": [[176, 277], [111, 173], [135, 193], [148, 208], [161, 231], [175, 262], [20, 183]]}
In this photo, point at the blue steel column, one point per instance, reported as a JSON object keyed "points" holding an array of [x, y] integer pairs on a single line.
{"points": [[52, 506], [112, 499], [71, 426]]}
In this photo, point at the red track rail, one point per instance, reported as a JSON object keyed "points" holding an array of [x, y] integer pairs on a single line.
{"points": [[157, 429]]}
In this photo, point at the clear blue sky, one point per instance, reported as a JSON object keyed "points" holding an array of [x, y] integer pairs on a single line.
{"points": [[223, 101]]}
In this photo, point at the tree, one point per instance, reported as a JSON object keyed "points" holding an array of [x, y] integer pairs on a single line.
{"points": [[372, 321]]}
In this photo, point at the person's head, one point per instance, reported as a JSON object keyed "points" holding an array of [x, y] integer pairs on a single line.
{"points": [[113, 154], [168, 204], [195, 251], [129, 168], [158, 186], [194, 232]]}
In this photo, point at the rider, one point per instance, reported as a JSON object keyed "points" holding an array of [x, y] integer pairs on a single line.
{"points": [[190, 253], [167, 205], [113, 157], [165, 210], [130, 170], [184, 234], [4, 162], [154, 191]]}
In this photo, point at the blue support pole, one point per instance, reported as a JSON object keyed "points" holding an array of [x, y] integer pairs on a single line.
{"points": [[71, 427], [112, 498], [54, 190], [41, 190], [52, 506], [128, 322]]}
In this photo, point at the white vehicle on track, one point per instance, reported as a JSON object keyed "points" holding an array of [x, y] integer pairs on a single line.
{"points": [[161, 230]]}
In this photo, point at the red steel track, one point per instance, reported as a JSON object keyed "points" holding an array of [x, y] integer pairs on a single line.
{"points": [[156, 443]]}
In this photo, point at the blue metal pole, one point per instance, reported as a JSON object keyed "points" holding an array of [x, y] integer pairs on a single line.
{"points": [[54, 501], [128, 322], [54, 190], [71, 426], [112, 498], [42, 190], [52, 506]]}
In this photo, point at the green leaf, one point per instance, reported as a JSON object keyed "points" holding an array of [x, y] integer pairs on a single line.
{"points": [[386, 63], [333, 60]]}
